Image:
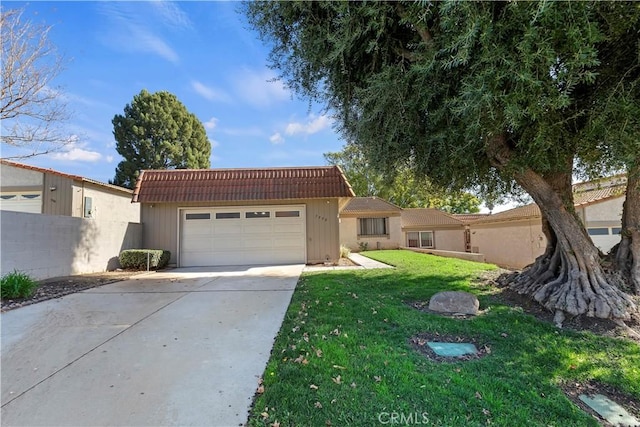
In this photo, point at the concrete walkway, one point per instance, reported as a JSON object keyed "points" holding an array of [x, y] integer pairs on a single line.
{"points": [[368, 263], [178, 348], [362, 261]]}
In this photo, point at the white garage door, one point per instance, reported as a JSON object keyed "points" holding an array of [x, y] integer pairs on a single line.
{"points": [[242, 235]]}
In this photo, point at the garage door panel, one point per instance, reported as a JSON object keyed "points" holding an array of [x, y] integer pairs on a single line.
{"points": [[234, 228], [220, 243], [236, 236]]}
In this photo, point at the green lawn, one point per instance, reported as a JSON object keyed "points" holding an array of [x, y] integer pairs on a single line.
{"points": [[343, 356]]}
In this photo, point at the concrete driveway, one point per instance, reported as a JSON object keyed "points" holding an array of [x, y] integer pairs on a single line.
{"points": [[182, 348]]}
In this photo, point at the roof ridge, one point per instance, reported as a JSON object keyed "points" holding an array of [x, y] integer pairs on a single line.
{"points": [[63, 174]]}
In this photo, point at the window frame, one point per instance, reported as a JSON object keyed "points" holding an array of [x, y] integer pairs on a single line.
{"points": [[420, 239], [373, 227]]}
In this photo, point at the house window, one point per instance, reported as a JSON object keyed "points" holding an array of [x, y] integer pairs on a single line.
{"points": [[257, 214], [287, 214], [228, 215], [191, 216], [598, 231], [616, 230], [372, 227], [420, 239], [88, 207]]}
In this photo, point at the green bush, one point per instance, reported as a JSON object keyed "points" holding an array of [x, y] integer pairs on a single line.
{"points": [[344, 251], [136, 259], [17, 285]]}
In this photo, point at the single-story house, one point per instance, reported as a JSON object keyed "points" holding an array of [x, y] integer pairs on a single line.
{"points": [[25, 188], [428, 228], [57, 224], [374, 223], [370, 223], [514, 238], [210, 217]]}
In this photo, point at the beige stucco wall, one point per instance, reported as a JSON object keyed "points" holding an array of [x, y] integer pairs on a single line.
{"points": [[109, 205], [19, 179], [160, 225], [51, 245], [349, 235], [444, 238], [609, 211], [513, 244]]}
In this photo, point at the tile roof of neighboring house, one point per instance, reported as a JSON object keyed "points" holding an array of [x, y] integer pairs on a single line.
{"points": [[211, 185], [470, 217], [65, 175], [364, 205], [580, 198], [597, 195], [418, 217], [608, 181], [522, 212]]}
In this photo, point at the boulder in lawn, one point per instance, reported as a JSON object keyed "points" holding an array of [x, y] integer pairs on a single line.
{"points": [[454, 302]]}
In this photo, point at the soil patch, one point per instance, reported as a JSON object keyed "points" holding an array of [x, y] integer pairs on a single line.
{"points": [[419, 343], [60, 286], [574, 389], [342, 262], [604, 327]]}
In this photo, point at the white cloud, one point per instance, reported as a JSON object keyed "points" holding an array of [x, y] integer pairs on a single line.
{"points": [[132, 29], [76, 152], [276, 138], [208, 92], [214, 143], [109, 159], [171, 14], [313, 125], [259, 88], [211, 123]]}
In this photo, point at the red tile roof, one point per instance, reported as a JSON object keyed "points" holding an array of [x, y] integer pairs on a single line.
{"points": [[470, 217], [215, 185], [64, 175], [521, 212], [370, 205], [419, 217], [597, 195]]}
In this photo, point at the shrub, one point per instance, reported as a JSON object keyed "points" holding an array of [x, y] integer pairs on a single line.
{"points": [[344, 251], [17, 285], [364, 246], [136, 259]]}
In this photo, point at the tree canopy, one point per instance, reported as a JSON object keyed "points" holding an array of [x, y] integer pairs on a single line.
{"points": [[157, 132], [403, 189], [483, 94]]}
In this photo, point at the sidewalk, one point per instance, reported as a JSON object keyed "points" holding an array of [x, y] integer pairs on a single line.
{"points": [[363, 262]]}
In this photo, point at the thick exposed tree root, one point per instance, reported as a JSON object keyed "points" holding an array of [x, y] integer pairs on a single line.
{"points": [[566, 285]]}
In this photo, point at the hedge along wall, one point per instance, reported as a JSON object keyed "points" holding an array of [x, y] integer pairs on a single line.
{"points": [[49, 246]]}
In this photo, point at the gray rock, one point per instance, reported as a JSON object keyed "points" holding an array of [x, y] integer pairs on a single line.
{"points": [[453, 302]]}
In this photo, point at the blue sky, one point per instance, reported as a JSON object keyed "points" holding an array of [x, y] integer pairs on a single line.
{"points": [[204, 53]]}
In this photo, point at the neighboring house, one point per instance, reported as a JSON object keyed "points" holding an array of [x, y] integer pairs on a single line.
{"points": [[57, 224], [370, 223], [510, 239], [427, 228], [25, 188], [243, 216], [514, 238], [374, 223]]}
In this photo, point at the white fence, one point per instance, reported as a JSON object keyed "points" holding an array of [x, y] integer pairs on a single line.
{"points": [[49, 246]]}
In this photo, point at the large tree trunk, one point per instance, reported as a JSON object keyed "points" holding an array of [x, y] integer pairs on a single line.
{"points": [[568, 278], [628, 251]]}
